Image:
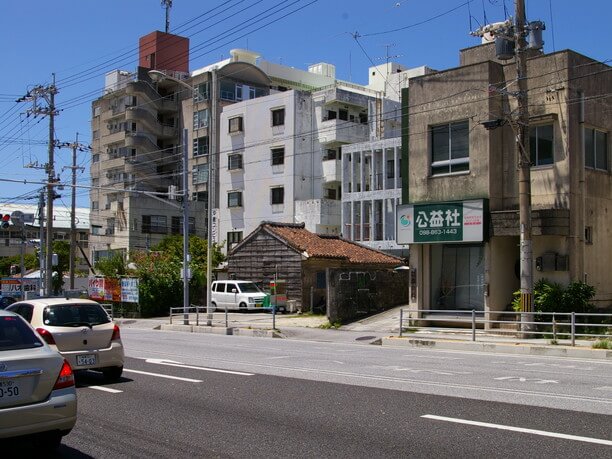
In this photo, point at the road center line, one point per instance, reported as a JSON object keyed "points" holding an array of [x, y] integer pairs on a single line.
{"points": [[105, 389], [162, 376], [543, 433]]}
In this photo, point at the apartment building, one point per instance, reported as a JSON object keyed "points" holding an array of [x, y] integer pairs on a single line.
{"points": [[460, 187], [136, 158]]}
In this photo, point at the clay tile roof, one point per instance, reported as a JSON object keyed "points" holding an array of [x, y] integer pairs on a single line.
{"points": [[327, 246]]}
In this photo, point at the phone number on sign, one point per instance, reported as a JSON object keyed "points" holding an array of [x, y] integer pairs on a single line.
{"points": [[437, 232]]}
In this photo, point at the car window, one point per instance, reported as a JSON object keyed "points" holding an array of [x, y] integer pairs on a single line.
{"points": [[230, 288], [249, 287], [16, 334], [24, 310], [220, 288], [74, 315]]}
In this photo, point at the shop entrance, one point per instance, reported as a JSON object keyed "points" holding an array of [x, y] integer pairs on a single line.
{"points": [[457, 277]]}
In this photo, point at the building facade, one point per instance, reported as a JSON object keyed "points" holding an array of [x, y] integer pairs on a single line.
{"points": [[460, 179]]}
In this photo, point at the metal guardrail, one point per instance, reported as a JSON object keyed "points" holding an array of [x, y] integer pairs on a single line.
{"points": [[562, 324], [203, 317], [108, 307]]}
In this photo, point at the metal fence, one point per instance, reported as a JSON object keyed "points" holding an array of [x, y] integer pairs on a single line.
{"points": [[108, 307], [553, 325], [223, 318]]}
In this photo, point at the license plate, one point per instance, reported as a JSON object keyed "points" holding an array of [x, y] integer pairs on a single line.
{"points": [[9, 389], [86, 359]]}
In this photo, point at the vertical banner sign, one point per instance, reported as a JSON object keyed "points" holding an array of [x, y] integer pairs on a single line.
{"points": [[95, 288], [461, 221], [215, 226], [129, 290]]}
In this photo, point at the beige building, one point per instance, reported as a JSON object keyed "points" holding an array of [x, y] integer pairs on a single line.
{"points": [[460, 184]]}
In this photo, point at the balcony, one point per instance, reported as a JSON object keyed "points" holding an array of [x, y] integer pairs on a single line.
{"points": [[341, 131], [332, 171]]}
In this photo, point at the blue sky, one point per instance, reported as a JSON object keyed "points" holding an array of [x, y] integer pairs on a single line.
{"points": [[81, 40]]}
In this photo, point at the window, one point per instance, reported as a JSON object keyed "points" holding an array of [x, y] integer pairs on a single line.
{"points": [[390, 169], [155, 224], [200, 146], [331, 153], [278, 156], [541, 144], [177, 225], [201, 196], [235, 124], [331, 115], [200, 92], [94, 205], [363, 118], [200, 173], [588, 234], [343, 114], [233, 238], [595, 149], [277, 195], [450, 148], [234, 199], [96, 230], [227, 90], [278, 117], [234, 161], [200, 118], [95, 158]]}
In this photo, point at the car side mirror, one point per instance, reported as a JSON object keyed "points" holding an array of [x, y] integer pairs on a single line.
{"points": [[234, 290]]}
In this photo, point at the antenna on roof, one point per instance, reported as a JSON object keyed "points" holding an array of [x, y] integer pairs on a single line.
{"points": [[167, 4]]}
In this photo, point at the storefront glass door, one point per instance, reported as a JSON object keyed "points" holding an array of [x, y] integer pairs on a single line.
{"points": [[457, 277]]}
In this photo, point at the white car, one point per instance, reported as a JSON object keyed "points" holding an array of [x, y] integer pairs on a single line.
{"points": [[80, 330], [37, 391], [236, 294]]}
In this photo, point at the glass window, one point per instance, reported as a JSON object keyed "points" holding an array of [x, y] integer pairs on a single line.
{"points": [[200, 173], [343, 114], [278, 117], [157, 224], [595, 149], [541, 144], [74, 315], [200, 146], [235, 124], [234, 199], [277, 195], [200, 92], [450, 148], [200, 118], [227, 90], [16, 334], [278, 156], [234, 161], [177, 225]]}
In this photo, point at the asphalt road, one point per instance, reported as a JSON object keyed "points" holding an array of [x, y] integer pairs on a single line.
{"points": [[190, 395]]}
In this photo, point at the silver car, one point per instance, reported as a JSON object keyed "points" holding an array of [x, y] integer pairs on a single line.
{"points": [[80, 330], [37, 391]]}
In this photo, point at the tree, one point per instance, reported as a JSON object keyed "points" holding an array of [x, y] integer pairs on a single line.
{"points": [[113, 266]]}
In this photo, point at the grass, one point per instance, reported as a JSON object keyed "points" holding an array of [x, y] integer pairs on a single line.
{"points": [[328, 325], [602, 344], [410, 330]]}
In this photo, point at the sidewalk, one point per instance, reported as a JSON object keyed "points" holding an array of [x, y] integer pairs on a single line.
{"points": [[383, 331]]}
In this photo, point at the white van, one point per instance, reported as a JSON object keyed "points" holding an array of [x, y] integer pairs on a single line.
{"points": [[236, 294]]}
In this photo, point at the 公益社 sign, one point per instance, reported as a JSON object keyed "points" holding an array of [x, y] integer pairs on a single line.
{"points": [[461, 221]]}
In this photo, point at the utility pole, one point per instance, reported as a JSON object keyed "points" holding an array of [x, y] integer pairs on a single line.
{"points": [[213, 142], [186, 258], [41, 245], [168, 5], [524, 165], [74, 145], [47, 93]]}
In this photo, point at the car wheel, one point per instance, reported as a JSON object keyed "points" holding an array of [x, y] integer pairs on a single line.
{"points": [[112, 373], [213, 306], [243, 305]]}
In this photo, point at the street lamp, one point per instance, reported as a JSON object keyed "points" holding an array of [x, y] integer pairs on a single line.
{"points": [[156, 75]]}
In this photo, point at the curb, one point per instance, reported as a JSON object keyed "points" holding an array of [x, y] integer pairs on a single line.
{"points": [[258, 332], [508, 348]]}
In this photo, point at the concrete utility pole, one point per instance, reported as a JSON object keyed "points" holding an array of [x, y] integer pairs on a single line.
{"points": [[48, 95], [186, 257], [524, 165], [212, 155], [168, 5], [74, 145], [41, 246]]}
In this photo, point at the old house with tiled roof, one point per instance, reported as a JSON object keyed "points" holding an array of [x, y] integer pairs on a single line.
{"points": [[323, 272]]}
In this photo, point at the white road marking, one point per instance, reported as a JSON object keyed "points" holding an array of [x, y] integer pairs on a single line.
{"points": [[162, 376], [279, 357], [172, 363], [604, 388], [434, 357], [543, 433], [521, 379], [106, 389], [435, 372]]}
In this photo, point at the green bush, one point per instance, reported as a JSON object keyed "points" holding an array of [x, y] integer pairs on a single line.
{"points": [[552, 297]]}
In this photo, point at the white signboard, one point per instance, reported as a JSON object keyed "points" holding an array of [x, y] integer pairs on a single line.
{"points": [[129, 290], [12, 286]]}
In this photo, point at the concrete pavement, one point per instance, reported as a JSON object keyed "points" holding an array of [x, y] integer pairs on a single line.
{"points": [[382, 329]]}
